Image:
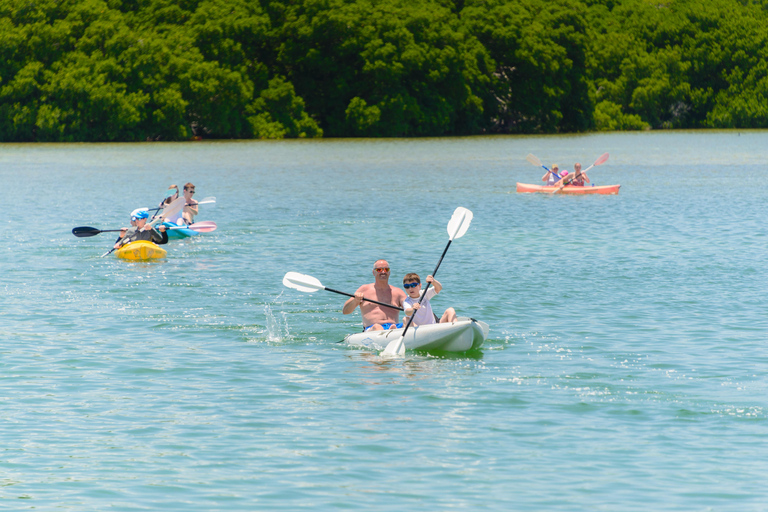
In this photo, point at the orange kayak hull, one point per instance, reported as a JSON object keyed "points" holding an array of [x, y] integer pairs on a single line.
{"points": [[569, 189]]}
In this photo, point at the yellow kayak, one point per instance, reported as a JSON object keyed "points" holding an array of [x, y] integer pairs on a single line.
{"points": [[141, 250]]}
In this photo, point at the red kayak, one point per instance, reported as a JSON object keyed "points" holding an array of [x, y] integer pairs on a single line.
{"points": [[570, 189]]}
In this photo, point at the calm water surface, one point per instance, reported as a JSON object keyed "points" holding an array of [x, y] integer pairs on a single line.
{"points": [[625, 370]]}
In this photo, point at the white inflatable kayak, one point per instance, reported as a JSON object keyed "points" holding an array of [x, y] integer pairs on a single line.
{"points": [[460, 336]]}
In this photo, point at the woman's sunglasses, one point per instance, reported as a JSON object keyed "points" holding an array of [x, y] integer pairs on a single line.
{"points": [[411, 285]]}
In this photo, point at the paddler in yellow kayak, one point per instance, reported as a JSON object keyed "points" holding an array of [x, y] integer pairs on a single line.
{"points": [[137, 231]]}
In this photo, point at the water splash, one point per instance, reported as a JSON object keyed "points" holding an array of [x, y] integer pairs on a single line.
{"points": [[277, 325]]}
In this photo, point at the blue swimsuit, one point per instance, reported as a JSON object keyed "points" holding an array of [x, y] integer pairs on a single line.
{"points": [[386, 326]]}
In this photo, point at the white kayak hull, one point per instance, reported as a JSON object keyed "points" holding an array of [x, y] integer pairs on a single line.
{"points": [[460, 336]]}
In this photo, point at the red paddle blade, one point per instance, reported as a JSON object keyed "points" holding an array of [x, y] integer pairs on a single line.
{"points": [[203, 227], [601, 160]]}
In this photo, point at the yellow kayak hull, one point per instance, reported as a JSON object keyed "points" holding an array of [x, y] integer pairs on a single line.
{"points": [[141, 250]]}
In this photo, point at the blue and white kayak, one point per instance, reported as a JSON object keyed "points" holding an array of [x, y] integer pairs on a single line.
{"points": [[460, 336], [179, 232]]}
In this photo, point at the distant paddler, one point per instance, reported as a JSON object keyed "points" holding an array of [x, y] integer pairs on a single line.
{"points": [[552, 175], [580, 177], [190, 205]]}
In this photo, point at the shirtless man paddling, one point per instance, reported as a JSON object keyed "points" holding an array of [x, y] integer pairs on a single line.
{"points": [[376, 317]]}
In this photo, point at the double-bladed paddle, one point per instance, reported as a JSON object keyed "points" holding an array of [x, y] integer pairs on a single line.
{"points": [[535, 161], [457, 226], [567, 179], [86, 231], [309, 284]]}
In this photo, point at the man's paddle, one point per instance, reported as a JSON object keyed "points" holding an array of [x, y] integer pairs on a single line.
{"points": [[535, 161], [205, 200], [457, 226], [309, 284], [203, 227], [563, 182]]}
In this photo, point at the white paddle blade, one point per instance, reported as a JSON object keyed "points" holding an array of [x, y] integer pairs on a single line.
{"points": [[208, 200], [302, 282], [396, 348], [172, 209], [533, 159], [459, 223]]}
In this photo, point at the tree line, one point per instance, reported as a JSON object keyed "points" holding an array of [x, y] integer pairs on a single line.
{"points": [[130, 70]]}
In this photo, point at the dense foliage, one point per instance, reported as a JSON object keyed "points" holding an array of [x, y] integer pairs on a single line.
{"points": [[124, 70]]}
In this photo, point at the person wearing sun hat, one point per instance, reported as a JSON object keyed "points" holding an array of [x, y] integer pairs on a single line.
{"points": [[552, 175], [139, 230]]}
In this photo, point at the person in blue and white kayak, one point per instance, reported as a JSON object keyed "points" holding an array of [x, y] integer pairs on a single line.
{"points": [[140, 231], [423, 312], [375, 316], [190, 205]]}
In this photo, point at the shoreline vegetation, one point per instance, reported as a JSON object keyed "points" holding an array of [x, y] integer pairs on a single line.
{"points": [[135, 70]]}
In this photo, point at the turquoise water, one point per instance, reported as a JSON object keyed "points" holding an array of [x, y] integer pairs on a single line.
{"points": [[625, 369]]}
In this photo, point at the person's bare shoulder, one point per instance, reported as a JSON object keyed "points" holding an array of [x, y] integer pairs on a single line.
{"points": [[365, 288]]}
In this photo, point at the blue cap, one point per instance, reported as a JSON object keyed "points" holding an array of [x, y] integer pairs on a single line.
{"points": [[141, 214]]}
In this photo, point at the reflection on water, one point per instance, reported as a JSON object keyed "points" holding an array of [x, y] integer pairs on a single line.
{"points": [[413, 364]]}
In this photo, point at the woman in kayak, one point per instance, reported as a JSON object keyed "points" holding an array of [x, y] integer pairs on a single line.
{"points": [[580, 177], [138, 231], [423, 311]]}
